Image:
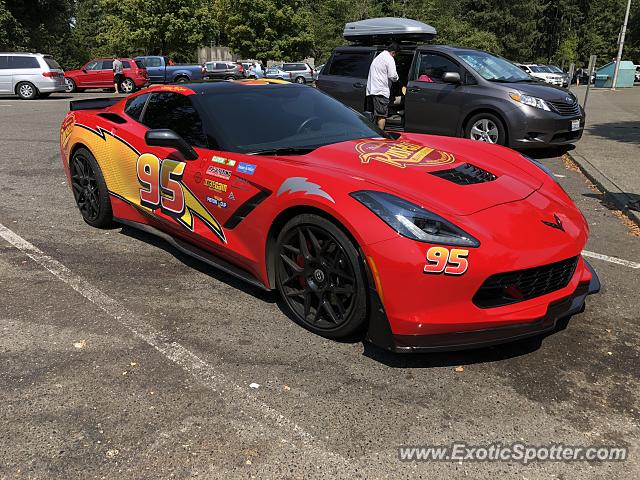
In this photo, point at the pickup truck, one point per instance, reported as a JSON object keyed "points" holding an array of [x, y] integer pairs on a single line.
{"points": [[160, 71]]}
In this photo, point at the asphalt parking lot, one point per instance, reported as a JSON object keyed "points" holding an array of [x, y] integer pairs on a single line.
{"points": [[123, 358]]}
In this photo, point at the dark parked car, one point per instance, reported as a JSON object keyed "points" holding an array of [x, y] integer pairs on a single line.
{"points": [[458, 92], [223, 71]]}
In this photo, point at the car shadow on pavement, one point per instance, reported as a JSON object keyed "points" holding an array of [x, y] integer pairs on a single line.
{"points": [[548, 152], [611, 200], [460, 357], [202, 267], [627, 131]]}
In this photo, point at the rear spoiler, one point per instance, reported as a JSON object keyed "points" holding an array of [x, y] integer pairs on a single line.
{"points": [[93, 103]]}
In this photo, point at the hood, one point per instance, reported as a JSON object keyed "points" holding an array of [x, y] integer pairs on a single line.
{"points": [[541, 90], [450, 175]]}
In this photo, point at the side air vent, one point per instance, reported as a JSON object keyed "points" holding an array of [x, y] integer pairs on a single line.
{"points": [[113, 117], [465, 174]]}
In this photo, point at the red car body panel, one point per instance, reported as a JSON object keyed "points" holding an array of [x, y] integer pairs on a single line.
{"points": [[103, 78], [507, 215]]}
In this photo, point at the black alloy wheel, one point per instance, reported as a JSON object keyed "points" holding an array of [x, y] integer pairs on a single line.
{"points": [[90, 190], [320, 277]]}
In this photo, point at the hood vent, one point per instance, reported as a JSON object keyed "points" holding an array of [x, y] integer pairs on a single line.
{"points": [[465, 174]]}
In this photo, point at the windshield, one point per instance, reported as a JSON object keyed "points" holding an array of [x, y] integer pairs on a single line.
{"points": [[555, 69], [250, 119], [493, 68]]}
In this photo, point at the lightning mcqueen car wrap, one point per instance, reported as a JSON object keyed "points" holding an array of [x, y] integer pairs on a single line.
{"points": [[422, 242]]}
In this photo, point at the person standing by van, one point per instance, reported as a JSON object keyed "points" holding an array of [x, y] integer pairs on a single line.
{"points": [[381, 72], [118, 73]]}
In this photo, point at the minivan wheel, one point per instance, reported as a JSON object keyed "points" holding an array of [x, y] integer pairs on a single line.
{"points": [[486, 127], [26, 91], [300, 80]]}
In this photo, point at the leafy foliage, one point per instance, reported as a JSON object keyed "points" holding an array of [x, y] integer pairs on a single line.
{"points": [[558, 31]]}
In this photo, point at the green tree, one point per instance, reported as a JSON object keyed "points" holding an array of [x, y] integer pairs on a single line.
{"points": [[269, 29]]}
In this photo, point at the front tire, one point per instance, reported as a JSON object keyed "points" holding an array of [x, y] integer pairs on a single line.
{"points": [[300, 80], [90, 190], [320, 276], [486, 127], [27, 91], [182, 80]]}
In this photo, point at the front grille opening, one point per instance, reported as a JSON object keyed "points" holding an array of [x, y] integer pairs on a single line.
{"points": [[566, 109], [512, 287], [465, 174]]}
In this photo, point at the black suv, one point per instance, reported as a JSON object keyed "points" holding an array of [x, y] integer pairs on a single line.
{"points": [[463, 92]]}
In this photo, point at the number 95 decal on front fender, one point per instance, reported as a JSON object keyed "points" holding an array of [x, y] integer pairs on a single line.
{"points": [[449, 262]]}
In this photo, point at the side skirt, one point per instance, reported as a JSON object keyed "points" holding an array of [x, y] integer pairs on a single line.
{"points": [[197, 253]]}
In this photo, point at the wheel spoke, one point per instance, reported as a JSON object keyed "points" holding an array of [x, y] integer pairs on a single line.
{"points": [[291, 249], [304, 248], [331, 312], [314, 241], [293, 265]]}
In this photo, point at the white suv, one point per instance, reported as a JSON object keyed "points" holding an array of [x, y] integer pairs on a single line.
{"points": [[543, 73], [30, 75]]}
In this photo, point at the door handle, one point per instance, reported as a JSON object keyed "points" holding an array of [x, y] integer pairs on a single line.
{"points": [[415, 89], [358, 85]]}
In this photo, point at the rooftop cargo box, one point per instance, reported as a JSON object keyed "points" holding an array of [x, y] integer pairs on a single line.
{"points": [[387, 29]]}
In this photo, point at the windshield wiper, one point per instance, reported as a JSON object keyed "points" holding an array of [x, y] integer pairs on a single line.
{"points": [[284, 151]]}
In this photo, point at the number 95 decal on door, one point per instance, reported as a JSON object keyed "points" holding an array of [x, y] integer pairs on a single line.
{"points": [[449, 262]]}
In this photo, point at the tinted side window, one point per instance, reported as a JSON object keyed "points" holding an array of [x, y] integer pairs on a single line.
{"points": [[23, 62], [94, 65], [175, 111], [350, 64], [153, 62], [125, 64], [135, 105], [4, 62], [107, 65], [52, 63], [432, 67], [139, 64]]}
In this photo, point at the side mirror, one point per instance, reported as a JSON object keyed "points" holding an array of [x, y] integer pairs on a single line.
{"points": [[163, 137], [84, 70], [451, 77]]}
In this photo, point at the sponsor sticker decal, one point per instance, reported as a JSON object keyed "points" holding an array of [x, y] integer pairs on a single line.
{"points": [[219, 172], [217, 201], [402, 154], [197, 177], [247, 168], [223, 161], [213, 185], [449, 262], [231, 196]]}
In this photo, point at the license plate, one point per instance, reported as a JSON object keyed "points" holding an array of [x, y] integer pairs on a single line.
{"points": [[575, 125]]}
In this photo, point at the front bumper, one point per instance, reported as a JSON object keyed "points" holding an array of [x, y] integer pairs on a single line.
{"points": [[380, 333], [531, 127]]}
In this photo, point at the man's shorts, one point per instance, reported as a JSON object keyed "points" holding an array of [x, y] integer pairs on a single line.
{"points": [[117, 78], [378, 104]]}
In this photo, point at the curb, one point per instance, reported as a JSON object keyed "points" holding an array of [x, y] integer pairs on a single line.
{"points": [[611, 193]]}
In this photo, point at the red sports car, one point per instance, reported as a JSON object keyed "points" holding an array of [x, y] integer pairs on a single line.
{"points": [[98, 73], [423, 242]]}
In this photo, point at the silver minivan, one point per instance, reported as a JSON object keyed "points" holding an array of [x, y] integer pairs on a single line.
{"points": [[30, 75]]}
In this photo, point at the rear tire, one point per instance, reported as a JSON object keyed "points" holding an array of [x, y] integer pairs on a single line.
{"points": [[486, 127], [300, 80], [90, 190], [320, 276], [70, 86], [182, 80], [229, 77], [127, 86], [27, 91]]}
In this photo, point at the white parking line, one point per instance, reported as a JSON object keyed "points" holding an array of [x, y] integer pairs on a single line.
{"points": [[607, 258], [205, 374]]}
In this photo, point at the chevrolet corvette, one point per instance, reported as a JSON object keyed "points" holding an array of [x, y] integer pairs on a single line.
{"points": [[418, 242]]}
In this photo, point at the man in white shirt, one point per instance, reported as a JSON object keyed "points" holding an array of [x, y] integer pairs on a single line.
{"points": [[381, 73]]}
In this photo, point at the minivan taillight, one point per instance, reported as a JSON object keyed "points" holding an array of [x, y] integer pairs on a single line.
{"points": [[240, 68], [50, 74]]}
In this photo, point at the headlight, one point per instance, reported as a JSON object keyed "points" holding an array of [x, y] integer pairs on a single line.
{"points": [[412, 221], [529, 100]]}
